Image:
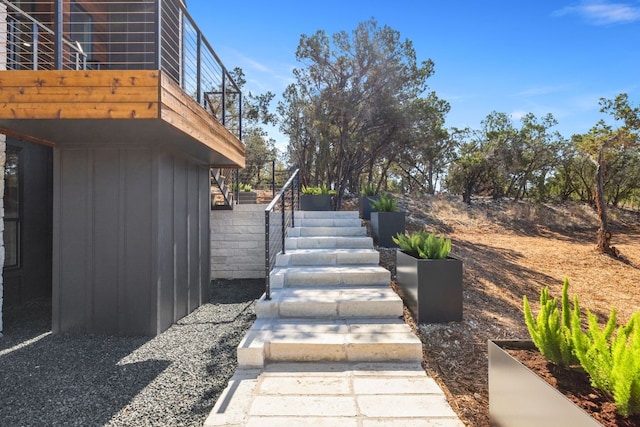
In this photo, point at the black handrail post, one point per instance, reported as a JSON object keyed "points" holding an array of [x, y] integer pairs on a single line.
{"points": [[58, 27], [267, 259], [284, 212], [224, 97], [199, 67], [293, 205], [240, 119], [158, 28], [273, 178]]}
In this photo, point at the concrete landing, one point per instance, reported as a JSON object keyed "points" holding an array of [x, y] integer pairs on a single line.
{"points": [[333, 395]]}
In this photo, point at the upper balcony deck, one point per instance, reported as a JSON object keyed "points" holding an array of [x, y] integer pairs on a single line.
{"points": [[109, 67]]}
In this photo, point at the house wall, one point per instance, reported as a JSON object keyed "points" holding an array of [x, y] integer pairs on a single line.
{"points": [[237, 243], [131, 247]]}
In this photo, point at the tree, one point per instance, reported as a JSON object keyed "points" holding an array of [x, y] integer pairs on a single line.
{"points": [[350, 99], [601, 144]]}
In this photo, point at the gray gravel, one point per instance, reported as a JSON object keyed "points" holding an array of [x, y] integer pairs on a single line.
{"points": [[170, 380]]}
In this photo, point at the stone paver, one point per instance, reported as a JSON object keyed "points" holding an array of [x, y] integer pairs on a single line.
{"points": [[333, 394]]}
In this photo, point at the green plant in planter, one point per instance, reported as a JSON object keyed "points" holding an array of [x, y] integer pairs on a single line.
{"points": [[316, 191], [368, 190], [246, 187], [385, 204], [612, 361], [424, 245], [551, 331]]}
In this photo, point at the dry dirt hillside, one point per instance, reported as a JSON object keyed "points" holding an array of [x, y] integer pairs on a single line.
{"points": [[511, 249]]}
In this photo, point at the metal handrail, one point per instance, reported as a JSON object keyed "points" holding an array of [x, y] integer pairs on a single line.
{"points": [[275, 246]]}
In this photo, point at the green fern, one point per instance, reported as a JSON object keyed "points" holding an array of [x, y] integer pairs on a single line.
{"points": [[424, 245], [368, 189], [384, 204], [612, 362], [551, 331]]}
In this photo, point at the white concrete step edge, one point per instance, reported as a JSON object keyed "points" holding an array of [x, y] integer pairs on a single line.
{"points": [[329, 242], [338, 340], [327, 231], [330, 302], [328, 222], [327, 257], [326, 214], [339, 275]]}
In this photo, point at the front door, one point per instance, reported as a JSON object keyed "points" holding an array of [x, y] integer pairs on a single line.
{"points": [[28, 202]]}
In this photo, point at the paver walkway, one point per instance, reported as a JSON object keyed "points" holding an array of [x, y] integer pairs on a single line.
{"points": [[330, 347]]}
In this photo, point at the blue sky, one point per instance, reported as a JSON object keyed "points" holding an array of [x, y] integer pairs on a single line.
{"points": [[511, 56]]}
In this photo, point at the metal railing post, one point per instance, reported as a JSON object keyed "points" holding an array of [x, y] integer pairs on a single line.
{"points": [[34, 30], [199, 67], [224, 98], [58, 27], [157, 62], [284, 214], [273, 178], [267, 259]]}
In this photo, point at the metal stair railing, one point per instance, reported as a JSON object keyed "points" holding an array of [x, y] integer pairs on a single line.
{"points": [[279, 215], [222, 185]]}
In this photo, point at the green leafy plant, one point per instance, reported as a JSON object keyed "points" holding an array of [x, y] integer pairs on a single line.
{"points": [[609, 355], [239, 186], [316, 191], [612, 361], [384, 204], [423, 245], [368, 189], [551, 330]]}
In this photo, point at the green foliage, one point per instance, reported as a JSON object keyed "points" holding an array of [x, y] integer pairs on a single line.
{"points": [[368, 189], [424, 245], [610, 356], [385, 204], [316, 191], [239, 186], [551, 331], [612, 362]]}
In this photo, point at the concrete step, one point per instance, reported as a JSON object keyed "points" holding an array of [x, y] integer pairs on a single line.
{"points": [[328, 222], [331, 302], [327, 231], [337, 340], [329, 242], [339, 275], [327, 214], [298, 257]]}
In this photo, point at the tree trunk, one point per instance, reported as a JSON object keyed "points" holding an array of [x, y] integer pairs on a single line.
{"points": [[603, 242]]}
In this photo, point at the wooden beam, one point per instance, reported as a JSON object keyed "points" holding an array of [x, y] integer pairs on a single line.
{"points": [[25, 137]]}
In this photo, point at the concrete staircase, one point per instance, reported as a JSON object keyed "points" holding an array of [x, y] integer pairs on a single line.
{"points": [[330, 300], [330, 348]]}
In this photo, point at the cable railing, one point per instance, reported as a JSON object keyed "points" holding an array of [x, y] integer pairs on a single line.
{"points": [[279, 215], [120, 35]]}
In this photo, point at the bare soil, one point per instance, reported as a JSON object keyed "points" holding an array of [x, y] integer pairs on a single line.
{"points": [[510, 249]]}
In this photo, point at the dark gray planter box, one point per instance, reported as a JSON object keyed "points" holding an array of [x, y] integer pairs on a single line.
{"points": [[385, 225], [315, 202], [520, 398], [247, 197], [365, 206], [431, 288]]}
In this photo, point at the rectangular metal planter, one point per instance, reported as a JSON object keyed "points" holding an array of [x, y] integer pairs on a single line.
{"points": [[432, 289], [315, 202], [385, 225], [365, 206], [520, 398], [247, 197]]}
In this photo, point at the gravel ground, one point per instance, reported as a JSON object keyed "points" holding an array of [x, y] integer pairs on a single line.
{"points": [[173, 379]]}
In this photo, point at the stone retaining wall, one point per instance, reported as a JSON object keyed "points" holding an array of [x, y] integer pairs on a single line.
{"points": [[237, 242]]}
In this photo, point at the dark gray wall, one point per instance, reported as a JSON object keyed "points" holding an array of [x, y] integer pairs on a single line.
{"points": [[130, 239]]}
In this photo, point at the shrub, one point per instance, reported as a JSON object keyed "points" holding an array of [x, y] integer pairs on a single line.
{"points": [[316, 191], [551, 330], [384, 204], [612, 362], [423, 245], [368, 190]]}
